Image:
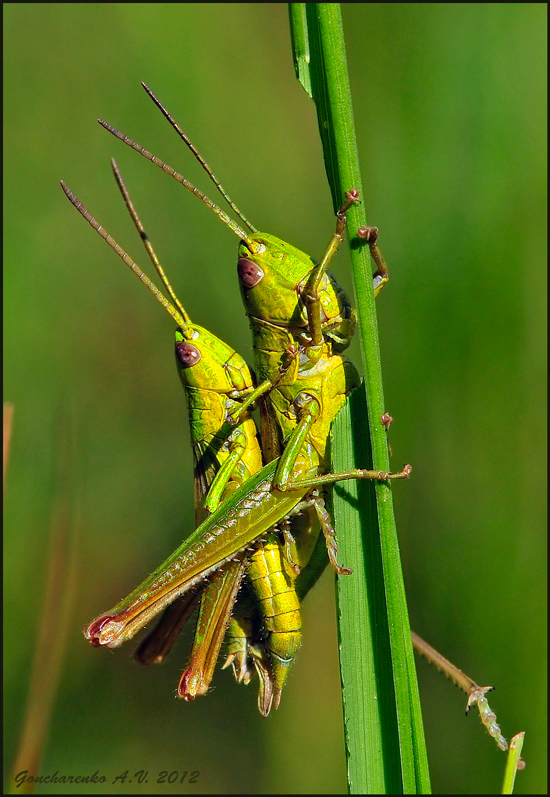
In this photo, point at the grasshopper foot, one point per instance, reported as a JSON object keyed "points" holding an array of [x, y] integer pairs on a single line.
{"points": [[330, 537]]}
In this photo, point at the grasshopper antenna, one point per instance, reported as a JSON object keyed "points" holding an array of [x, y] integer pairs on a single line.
{"points": [[145, 238], [200, 159], [180, 320], [229, 222]]}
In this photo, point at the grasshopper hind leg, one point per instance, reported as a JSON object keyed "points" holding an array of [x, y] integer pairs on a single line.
{"points": [[159, 642]]}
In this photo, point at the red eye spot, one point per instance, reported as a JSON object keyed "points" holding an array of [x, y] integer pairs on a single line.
{"points": [[187, 354], [250, 273]]}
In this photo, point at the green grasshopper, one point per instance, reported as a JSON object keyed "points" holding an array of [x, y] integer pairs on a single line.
{"points": [[239, 521], [271, 333], [225, 456]]}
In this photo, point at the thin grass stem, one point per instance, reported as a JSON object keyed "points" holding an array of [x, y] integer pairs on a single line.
{"points": [[384, 732]]}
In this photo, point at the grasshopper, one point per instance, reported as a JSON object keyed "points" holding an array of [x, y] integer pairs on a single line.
{"points": [[239, 521], [300, 321], [204, 361], [214, 378], [277, 331], [224, 458]]}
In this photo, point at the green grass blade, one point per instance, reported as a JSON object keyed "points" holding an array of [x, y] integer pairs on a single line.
{"points": [[55, 616], [513, 763], [384, 732], [300, 44], [372, 738]]}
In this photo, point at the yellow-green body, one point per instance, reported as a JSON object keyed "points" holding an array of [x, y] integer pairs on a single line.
{"points": [[276, 306], [215, 381], [272, 582]]}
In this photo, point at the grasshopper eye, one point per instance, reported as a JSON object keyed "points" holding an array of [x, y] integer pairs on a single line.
{"points": [[187, 354], [250, 273]]}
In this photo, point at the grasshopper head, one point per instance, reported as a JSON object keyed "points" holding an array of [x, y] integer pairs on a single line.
{"points": [[207, 363], [273, 276]]}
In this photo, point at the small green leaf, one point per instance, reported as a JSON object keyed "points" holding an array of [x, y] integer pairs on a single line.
{"points": [[300, 44]]}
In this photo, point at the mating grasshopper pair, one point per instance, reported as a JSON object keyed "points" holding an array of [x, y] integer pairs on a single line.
{"points": [[301, 322], [308, 384]]}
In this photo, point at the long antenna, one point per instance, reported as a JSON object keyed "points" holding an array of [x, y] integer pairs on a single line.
{"points": [[199, 157], [145, 238], [180, 179], [180, 321]]}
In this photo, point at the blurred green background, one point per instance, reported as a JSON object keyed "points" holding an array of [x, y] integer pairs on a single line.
{"points": [[451, 122]]}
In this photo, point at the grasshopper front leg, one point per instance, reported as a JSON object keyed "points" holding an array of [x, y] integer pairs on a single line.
{"points": [[311, 290]]}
